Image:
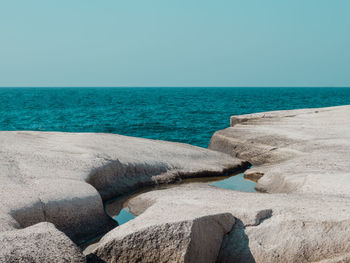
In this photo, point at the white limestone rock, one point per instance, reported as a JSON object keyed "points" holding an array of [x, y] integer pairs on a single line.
{"points": [[38, 243], [63, 178], [268, 227], [190, 241], [300, 151]]}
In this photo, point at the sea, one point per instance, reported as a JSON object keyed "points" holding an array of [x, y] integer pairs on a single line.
{"points": [[189, 115]]}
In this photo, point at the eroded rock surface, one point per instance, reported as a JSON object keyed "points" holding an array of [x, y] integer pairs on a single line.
{"points": [[38, 243], [268, 227], [301, 158], [191, 240], [300, 151], [63, 178]]}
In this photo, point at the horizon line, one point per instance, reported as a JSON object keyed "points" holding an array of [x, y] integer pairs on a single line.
{"points": [[8, 87]]}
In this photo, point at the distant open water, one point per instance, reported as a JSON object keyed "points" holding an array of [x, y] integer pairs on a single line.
{"points": [[189, 115]]}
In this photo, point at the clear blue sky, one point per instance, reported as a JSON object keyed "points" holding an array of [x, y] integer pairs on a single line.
{"points": [[175, 43]]}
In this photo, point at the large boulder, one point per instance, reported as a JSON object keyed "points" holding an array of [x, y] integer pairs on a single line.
{"points": [[63, 178], [38, 243], [192, 240]]}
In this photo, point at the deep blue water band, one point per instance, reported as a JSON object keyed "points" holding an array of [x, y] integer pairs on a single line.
{"points": [[189, 115]]}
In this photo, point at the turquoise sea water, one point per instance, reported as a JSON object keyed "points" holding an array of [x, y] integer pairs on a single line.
{"points": [[189, 115]]}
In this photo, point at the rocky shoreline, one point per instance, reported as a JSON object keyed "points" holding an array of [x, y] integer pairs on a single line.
{"points": [[63, 178], [53, 186]]}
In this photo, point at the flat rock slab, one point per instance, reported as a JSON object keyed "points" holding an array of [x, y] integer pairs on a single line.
{"points": [[300, 151], [270, 228], [63, 178]]}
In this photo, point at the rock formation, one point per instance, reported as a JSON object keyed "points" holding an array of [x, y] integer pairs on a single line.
{"points": [[300, 158], [268, 227], [194, 240], [299, 151], [63, 178], [38, 243], [301, 162]]}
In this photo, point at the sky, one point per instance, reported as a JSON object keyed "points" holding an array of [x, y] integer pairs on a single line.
{"points": [[47, 43]]}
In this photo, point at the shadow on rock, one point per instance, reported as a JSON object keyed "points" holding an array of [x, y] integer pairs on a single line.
{"points": [[92, 258], [235, 246]]}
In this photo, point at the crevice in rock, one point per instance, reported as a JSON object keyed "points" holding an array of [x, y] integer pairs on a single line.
{"points": [[113, 179], [43, 207], [238, 169], [235, 246]]}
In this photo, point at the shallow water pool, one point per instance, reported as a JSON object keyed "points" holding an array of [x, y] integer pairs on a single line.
{"points": [[236, 182], [119, 211]]}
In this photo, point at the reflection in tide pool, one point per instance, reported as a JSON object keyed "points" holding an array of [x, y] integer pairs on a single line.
{"points": [[236, 182], [124, 216]]}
